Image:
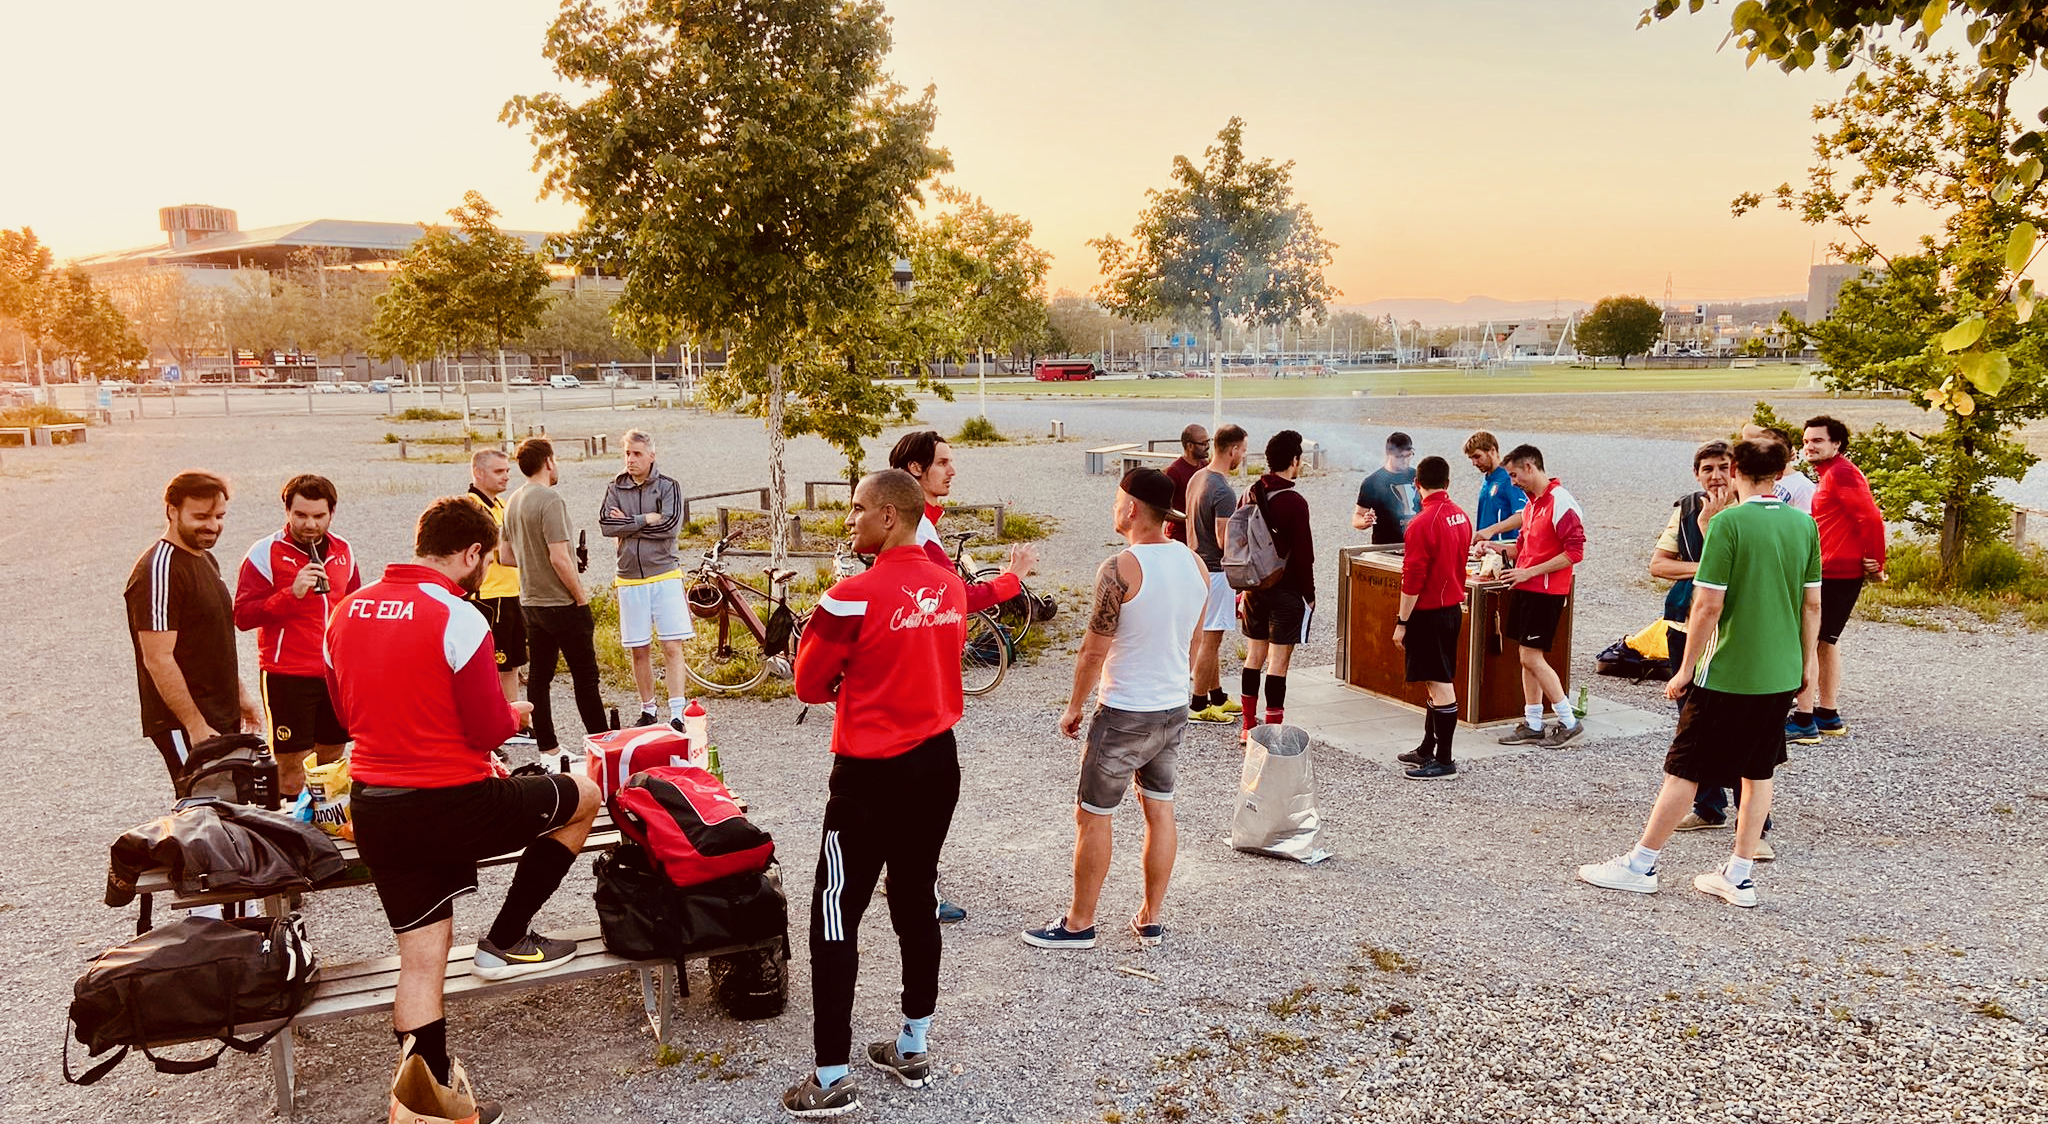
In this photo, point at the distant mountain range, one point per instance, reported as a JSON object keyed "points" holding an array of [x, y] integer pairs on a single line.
{"points": [[1477, 310]]}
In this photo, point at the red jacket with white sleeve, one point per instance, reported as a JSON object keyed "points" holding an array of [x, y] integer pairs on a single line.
{"points": [[980, 595], [291, 628], [1851, 525], [1552, 524], [411, 671], [884, 647], [1433, 559]]}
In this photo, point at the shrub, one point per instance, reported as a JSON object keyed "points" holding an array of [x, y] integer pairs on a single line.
{"points": [[978, 431], [426, 414], [38, 414]]}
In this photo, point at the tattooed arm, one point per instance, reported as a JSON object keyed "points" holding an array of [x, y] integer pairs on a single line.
{"points": [[1112, 589]]}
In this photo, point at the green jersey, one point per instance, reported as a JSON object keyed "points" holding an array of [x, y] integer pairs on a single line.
{"points": [[1763, 554]]}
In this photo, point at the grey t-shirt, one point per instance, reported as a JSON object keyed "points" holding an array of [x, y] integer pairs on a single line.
{"points": [[535, 516], [1216, 501]]}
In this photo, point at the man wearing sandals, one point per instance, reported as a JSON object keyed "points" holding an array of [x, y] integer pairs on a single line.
{"points": [[1148, 603]]}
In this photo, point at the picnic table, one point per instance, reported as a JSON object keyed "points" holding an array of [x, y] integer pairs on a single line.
{"points": [[369, 987]]}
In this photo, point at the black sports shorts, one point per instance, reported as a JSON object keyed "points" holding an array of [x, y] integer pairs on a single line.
{"points": [[1531, 619], [1723, 738], [299, 714], [1277, 616], [422, 844], [508, 629], [1430, 648], [1837, 600]]}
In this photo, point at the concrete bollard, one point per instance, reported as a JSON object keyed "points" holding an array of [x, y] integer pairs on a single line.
{"points": [[1059, 428], [401, 449]]}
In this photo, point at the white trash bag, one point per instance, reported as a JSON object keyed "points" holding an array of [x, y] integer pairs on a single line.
{"points": [[1276, 799]]}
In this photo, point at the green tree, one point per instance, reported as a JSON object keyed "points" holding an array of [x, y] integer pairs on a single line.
{"points": [[980, 283], [173, 316], [88, 330], [461, 288], [750, 170], [580, 325], [1227, 241], [1619, 326], [28, 291]]}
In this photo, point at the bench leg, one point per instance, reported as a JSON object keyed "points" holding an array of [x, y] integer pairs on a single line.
{"points": [[655, 995], [281, 1072]]}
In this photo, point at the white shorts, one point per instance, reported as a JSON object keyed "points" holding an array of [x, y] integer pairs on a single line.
{"points": [[660, 604], [1219, 612]]}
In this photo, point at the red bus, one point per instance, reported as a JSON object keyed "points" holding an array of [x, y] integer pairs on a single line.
{"points": [[1063, 370]]}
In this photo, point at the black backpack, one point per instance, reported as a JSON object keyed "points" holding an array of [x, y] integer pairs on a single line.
{"points": [[644, 916], [749, 985], [197, 978], [237, 768], [1624, 662]]}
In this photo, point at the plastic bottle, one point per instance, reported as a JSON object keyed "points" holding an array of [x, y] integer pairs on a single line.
{"points": [[697, 728]]}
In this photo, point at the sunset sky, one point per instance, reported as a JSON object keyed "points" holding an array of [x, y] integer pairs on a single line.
{"points": [[1509, 148]]}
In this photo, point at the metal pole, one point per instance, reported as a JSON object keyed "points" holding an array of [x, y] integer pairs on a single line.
{"points": [[1215, 385], [505, 384], [981, 381]]}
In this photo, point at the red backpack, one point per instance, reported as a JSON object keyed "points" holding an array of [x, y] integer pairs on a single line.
{"points": [[689, 825]]}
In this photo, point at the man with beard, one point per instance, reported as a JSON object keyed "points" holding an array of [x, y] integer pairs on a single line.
{"points": [[410, 665], [289, 582], [182, 623]]}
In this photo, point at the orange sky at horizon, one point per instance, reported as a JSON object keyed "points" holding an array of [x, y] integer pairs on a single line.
{"points": [[1466, 147]]}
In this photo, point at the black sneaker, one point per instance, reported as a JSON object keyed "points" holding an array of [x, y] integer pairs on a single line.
{"points": [[533, 953], [914, 1070], [808, 1099], [1433, 770], [1413, 757], [647, 718], [950, 914], [676, 724], [1055, 934]]}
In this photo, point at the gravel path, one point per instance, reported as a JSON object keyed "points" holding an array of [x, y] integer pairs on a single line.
{"points": [[1444, 967]]}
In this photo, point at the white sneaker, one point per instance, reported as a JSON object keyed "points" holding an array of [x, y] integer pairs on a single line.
{"points": [[1614, 874], [1716, 882]]}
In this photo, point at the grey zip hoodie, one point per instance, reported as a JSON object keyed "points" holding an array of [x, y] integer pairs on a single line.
{"points": [[646, 549]]}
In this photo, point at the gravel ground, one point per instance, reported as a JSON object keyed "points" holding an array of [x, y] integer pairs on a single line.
{"points": [[1444, 967]]}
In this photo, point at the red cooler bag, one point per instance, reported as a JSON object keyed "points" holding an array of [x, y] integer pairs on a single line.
{"points": [[690, 827], [610, 759]]}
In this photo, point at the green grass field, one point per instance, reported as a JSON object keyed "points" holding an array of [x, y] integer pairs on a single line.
{"points": [[1534, 380]]}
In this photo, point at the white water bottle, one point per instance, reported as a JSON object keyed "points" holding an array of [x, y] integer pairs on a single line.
{"points": [[697, 729]]}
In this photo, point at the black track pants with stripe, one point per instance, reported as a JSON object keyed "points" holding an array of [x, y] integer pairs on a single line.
{"points": [[889, 813]]}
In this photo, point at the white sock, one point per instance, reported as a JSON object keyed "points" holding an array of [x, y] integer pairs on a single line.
{"points": [[675, 706], [647, 706], [1534, 716], [1739, 869], [1565, 717], [1642, 860]]}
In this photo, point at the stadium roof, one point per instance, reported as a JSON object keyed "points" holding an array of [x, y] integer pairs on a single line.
{"points": [[272, 246]]}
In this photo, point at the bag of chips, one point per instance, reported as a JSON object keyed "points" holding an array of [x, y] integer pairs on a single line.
{"points": [[327, 787]]}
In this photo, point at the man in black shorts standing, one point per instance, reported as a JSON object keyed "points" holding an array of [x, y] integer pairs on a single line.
{"points": [[1755, 625], [1276, 618], [1852, 551], [289, 583], [490, 473], [884, 646], [411, 669], [1432, 609], [182, 624], [1552, 541]]}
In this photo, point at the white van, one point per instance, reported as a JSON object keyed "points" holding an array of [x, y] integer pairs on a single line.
{"points": [[564, 382]]}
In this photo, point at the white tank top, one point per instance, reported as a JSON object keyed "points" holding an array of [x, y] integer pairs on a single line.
{"points": [[1147, 669]]}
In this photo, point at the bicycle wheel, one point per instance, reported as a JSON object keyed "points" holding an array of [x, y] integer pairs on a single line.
{"points": [[986, 655], [724, 657], [1016, 614]]}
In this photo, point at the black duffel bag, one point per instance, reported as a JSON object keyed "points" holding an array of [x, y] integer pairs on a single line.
{"points": [[644, 916], [194, 979], [237, 768]]}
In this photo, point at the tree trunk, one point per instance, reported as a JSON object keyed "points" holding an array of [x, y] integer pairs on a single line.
{"points": [[778, 485], [1951, 549]]}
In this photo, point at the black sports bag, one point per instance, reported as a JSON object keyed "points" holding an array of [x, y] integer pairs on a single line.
{"points": [[644, 916], [196, 978], [237, 768]]}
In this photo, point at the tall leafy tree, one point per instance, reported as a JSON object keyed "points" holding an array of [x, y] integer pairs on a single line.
{"points": [[172, 315], [464, 287], [980, 283], [1226, 241], [749, 168], [1929, 128], [88, 330], [27, 290], [1619, 326]]}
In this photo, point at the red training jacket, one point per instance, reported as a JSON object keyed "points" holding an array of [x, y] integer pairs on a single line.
{"points": [[293, 629], [1552, 524], [980, 595], [1433, 561], [411, 671], [1851, 526], [884, 647]]}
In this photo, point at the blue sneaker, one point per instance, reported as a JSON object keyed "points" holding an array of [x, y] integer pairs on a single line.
{"points": [[1801, 733], [1833, 727], [950, 914], [1057, 935]]}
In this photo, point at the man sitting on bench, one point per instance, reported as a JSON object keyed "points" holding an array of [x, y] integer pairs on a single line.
{"points": [[411, 671]]}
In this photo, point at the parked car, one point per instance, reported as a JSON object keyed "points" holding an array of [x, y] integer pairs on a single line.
{"points": [[379, 386], [354, 388], [326, 388], [520, 380], [564, 382]]}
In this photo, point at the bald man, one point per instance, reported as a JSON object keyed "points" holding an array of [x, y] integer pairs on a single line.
{"points": [[1194, 454]]}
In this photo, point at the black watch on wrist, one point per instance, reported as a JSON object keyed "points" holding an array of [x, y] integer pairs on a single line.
{"points": [[1401, 621]]}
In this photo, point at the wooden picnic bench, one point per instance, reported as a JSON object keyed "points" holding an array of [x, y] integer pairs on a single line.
{"points": [[369, 987], [1098, 459], [23, 435], [63, 433], [1139, 458]]}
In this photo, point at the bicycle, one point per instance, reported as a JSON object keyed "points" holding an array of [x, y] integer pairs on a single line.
{"points": [[734, 647], [1017, 614], [986, 655]]}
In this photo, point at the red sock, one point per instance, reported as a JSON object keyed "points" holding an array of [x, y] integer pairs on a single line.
{"points": [[1275, 716], [1251, 710]]}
